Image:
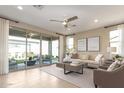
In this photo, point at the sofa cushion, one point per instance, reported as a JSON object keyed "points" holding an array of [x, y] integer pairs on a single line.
{"points": [[92, 56], [84, 57], [89, 61], [84, 61], [75, 56]]}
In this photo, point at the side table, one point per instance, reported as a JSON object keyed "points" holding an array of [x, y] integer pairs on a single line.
{"points": [[106, 64]]}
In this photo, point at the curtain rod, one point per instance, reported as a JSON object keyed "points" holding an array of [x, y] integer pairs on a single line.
{"points": [[65, 35], [60, 34], [9, 19], [113, 25], [70, 35]]}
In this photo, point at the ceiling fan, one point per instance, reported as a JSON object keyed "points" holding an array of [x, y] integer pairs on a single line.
{"points": [[66, 21]]}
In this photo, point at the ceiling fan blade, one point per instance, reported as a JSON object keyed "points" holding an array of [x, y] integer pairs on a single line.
{"points": [[72, 18], [56, 20], [72, 25]]}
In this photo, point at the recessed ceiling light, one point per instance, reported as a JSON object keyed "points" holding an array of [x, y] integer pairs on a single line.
{"points": [[20, 7], [96, 20]]}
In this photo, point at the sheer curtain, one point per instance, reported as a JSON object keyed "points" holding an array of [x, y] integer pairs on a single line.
{"points": [[4, 32], [121, 27], [61, 53]]}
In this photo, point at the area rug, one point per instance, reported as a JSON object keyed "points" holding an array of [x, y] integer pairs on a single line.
{"points": [[84, 80]]}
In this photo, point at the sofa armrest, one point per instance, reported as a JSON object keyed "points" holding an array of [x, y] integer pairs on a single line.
{"points": [[106, 79], [98, 73], [102, 77]]}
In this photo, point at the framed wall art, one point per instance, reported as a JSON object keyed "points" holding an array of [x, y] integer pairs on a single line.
{"points": [[82, 44], [94, 44]]}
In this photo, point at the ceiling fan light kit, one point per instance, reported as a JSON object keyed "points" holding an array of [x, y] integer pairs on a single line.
{"points": [[66, 21]]}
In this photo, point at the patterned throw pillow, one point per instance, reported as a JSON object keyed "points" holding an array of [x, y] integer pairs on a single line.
{"points": [[113, 66], [98, 57]]}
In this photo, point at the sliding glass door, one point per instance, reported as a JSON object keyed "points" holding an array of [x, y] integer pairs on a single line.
{"points": [[33, 50], [55, 50], [29, 49], [46, 50], [17, 49], [50, 50]]}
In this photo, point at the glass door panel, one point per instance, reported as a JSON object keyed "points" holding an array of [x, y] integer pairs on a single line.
{"points": [[33, 50], [46, 50], [17, 49], [55, 50]]}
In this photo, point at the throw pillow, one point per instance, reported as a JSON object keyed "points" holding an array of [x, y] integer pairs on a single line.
{"points": [[113, 66], [98, 57], [84, 57], [74, 56]]}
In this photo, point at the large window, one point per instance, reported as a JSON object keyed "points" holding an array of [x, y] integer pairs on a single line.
{"points": [[45, 46], [69, 42], [115, 41]]}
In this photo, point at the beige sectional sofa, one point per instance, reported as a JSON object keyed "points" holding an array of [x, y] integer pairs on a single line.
{"points": [[94, 63]]}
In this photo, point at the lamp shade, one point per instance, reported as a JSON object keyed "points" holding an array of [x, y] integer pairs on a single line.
{"points": [[108, 49]]}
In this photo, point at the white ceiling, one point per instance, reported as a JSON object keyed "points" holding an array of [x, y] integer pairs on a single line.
{"points": [[105, 14]]}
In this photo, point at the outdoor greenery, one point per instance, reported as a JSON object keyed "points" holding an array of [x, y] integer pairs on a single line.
{"points": [[118, 58], [31, 54], [19, 61]]}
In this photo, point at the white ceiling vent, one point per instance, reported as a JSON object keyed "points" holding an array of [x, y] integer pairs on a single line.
{"points": [[39, 7]]}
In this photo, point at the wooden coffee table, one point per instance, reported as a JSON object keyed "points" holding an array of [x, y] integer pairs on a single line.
{"points": [[77, 68]]}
